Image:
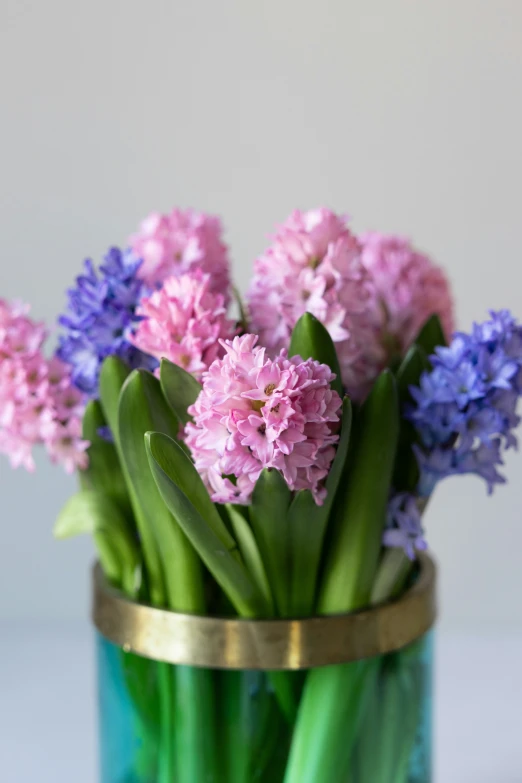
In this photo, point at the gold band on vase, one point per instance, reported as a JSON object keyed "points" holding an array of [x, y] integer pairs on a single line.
{"points": [[234, 643]]}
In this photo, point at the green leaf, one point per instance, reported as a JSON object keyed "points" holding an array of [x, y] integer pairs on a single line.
{"points": [[103, 472], [164, 456], [268, 516], [180, 389], [113, 375], [95, 513], [83, 513], [181, 470], [431, 335], [339, 462], [406, 472], [413, 365], [307, 524], [172, 566], [250, 552], [310, 339], [360, 509]]}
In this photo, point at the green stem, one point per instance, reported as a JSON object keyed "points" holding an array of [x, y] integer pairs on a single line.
{"points": [[142, 682], [388, 733], [187, 751], [367, 745], [393, 707], [286, 686], [328, 722], [166, 760], [145, 764], [233, 727], [195, 748], [254, 735]]}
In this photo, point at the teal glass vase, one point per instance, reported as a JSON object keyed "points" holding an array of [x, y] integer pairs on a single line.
{"points": [[165, 723]]}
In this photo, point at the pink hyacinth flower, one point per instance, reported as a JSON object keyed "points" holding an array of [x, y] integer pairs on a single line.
{"points": [[38, 404], [183, 321], [179, 242], [408, 289], [255, 412], [314, 265]]}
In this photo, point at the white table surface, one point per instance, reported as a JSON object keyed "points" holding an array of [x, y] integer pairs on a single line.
{"points": [[47, 706]]}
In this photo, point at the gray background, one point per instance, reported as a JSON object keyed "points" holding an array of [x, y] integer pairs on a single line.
{"points": [[407, 115]]}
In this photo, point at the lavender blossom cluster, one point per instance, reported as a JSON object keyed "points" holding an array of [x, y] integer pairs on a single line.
{"points": [[465, 408], [101, 314], [465, 414]]}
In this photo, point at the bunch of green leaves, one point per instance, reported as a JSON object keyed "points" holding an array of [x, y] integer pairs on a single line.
{"points": [[161, 539]]}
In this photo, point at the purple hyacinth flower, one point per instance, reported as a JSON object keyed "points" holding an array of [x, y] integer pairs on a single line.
{"points": [[100, 316], [403, 525], [464, 409]]}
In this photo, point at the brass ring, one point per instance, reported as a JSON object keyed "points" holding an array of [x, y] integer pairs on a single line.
{"points": [[233, 643]]}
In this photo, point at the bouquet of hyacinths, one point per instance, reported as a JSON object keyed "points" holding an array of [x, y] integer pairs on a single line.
{"points": [[273, 466]]}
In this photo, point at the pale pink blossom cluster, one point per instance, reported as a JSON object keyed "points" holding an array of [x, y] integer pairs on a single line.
{"points": [[180, 241], [314, 265], [183, 321], [38, 404], [408, 289], [254, 412], [373, 294]]}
